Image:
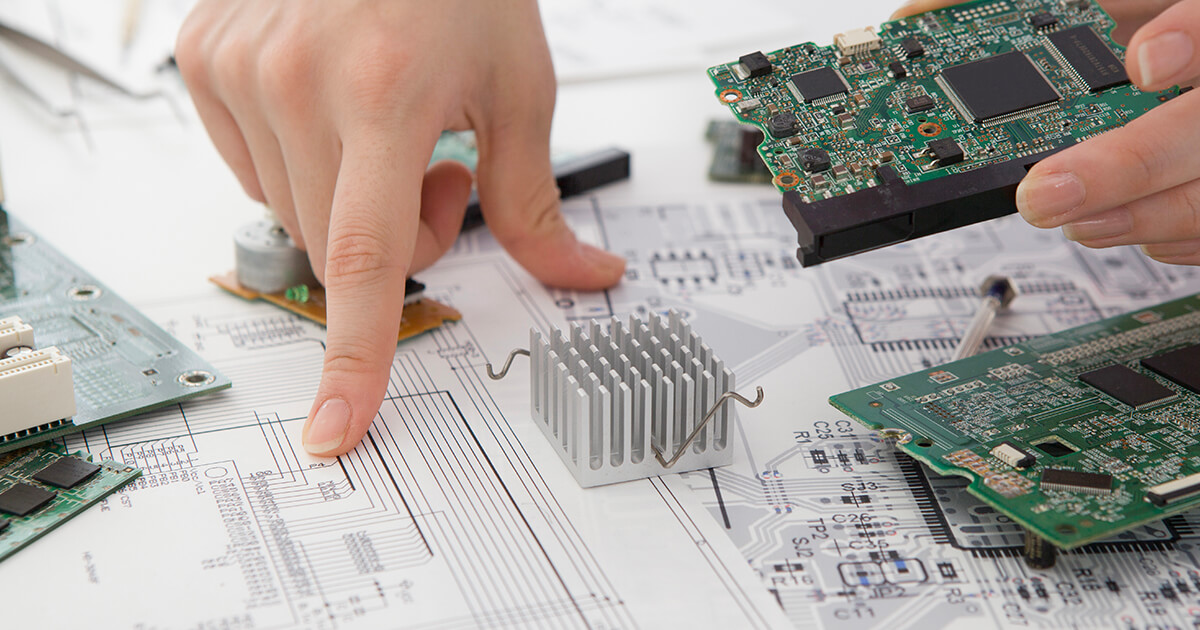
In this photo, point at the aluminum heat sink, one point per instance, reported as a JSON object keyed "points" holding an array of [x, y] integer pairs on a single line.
{"points": [[612, 402]]}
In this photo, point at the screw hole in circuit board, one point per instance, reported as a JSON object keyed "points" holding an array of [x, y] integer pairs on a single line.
{"points": [[85, 292], [17, 239], [196, 378]]}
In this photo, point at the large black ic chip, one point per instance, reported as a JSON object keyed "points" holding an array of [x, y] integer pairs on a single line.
{"points": [[23, 499], [815, 85], [1180, 366], [999, 86], [1131, 388], [67, 472], [1076, 481], [1090, 57]]}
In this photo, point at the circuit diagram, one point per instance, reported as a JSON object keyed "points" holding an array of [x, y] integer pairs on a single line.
{"points": [[842, 529]]}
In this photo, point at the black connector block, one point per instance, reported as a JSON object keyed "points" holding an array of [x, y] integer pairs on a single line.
{"points": [[894, 212]]}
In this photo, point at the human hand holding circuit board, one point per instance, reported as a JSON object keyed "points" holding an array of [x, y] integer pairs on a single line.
{"points": [[1140, 184], [329, 113]]}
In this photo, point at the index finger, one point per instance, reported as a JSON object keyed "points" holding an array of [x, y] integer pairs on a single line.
{"points": [[372, 236]]}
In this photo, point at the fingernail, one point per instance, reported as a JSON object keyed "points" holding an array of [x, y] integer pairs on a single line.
{"points": [[1171, 250], [1112, 223], [1164, 56], [608, 260], [1041, 199], [328, 427]]}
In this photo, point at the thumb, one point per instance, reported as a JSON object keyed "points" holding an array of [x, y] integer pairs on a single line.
{"points": [[520, 202]]}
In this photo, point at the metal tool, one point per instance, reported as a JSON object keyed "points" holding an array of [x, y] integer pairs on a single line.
{"points": [[997, 293], [55, 55]]}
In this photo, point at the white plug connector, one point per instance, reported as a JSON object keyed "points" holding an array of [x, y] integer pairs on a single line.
{"points": [[36, 389], [15, 333]]}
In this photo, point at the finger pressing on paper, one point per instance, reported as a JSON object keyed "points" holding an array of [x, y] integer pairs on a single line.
{"points": [[1149, 155], [372, 231]]}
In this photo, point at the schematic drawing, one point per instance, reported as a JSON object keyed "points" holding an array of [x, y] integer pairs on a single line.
{"points": [[843, 530], [454, 512], [449, 514]]}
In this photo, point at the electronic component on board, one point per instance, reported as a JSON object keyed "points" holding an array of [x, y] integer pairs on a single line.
{"points": [[1181, 366], [1089, 58], [1078, 436], [754, 65], [1174, 491], [1075, 481], [42, 487], [66, 472], [1131, 388], [857, 41], [620, 402], [817, 85], [37, 392], [1014, 455], [993, 88], [1010, 83]]}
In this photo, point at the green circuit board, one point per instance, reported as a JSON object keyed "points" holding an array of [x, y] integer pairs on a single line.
{"points": [[123, 363], [944, 92], [50, 496], [1077, 435]]}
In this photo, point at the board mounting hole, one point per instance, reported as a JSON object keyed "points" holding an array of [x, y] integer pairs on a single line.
{"points": [[731, 96], [929, 129], [84, 292], [787, 180], [924, 442], [18, 239], [196, 378]]}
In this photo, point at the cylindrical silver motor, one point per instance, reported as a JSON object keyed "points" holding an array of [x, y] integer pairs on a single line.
{"points": [[268, 260]]}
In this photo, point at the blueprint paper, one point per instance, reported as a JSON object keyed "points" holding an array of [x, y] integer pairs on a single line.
{"points": [[453, 512]]}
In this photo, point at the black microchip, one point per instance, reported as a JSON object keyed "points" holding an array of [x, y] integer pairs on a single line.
{"points": [[783, 125], [945, 151], [920, 103], [1093, 60], [67, 472], [1076, 481], [756, 64], [814, 160], [1043, 20], [898, 70], [815, 85], [912, 48], [1180, 366], [1131, 388], [839, 110], [22, 499], [999, 86]]}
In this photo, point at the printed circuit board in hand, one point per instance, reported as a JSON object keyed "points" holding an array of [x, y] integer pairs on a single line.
{"points": [[930, 123], [1077, 436]]}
